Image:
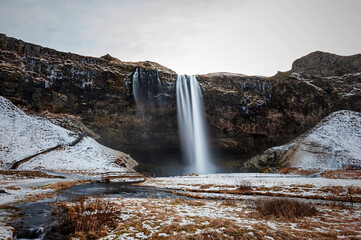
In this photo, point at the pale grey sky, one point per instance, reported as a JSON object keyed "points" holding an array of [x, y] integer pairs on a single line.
{"points": [[255, 37]]}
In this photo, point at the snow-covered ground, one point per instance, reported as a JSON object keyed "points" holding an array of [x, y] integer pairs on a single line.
{"points": [[86, 157], [5, 230], [235, 185], [22, 136], [178, 218], [197, 219], [334, 143], [23, 186]]}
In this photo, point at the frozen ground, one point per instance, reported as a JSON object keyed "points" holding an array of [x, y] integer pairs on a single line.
{"points": [[197, 219], [29, 185], [5, 230], [237, 184], [204, 219]]}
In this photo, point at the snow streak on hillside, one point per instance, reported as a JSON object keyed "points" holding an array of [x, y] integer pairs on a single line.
{"points": [[87, 156], [331, 144], [22, 136]]}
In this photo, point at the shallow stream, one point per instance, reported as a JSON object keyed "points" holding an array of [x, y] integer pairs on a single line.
{"points": [[37, 222]]}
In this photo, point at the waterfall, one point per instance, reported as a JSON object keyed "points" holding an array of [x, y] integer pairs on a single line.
{"points": [[147, 91], [137, 93], [192, 124]]}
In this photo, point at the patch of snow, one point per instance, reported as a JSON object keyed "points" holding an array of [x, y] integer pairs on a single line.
{"points": [[331, 144], [88, 155], [5, 229], [335, 142], [22, 136]]}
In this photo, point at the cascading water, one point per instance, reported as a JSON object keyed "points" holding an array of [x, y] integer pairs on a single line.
{"points": [[192, 124], [147, 91], [137, 93]]}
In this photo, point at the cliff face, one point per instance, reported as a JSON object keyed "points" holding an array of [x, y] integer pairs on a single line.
{"points": [[99, 90], [246, 114]]}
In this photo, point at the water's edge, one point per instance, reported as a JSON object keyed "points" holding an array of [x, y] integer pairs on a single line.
{"points": [[36, 221]]}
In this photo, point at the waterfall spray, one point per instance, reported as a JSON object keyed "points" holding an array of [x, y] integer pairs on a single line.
{"points": [[192, 124]]}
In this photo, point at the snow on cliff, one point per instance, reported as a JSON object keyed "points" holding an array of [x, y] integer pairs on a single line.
{"points": [[22, 136], [331, 144]]}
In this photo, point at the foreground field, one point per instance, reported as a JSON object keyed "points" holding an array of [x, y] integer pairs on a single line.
{"points": [[214, 206], [250, 211], [200, 219]]}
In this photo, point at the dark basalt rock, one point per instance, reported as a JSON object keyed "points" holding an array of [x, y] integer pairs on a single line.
{"points": [[323, 64], [246, 114]]}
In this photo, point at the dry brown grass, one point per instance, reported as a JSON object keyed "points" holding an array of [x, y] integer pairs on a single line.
{"points": [[177, 201], [332, 189], [283, 208], [195, 203], [206, 186], [205, 235], [303, 185], [342, 174], [353, 190], [158, 215], [229, 203], [36, 197], [27, 174], [12, 188], [66, 184], [243, 188], [87, 218], [176, 227], [296, 171]]}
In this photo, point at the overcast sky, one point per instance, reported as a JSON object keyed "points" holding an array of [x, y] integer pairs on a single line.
{"points": [[255, 37]]}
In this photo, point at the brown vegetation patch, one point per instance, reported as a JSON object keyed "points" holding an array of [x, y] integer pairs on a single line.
{"points": [[12, 188], [243, 188], [87, 218], [176, 227], [66, 184], [177, 201], [283, 208], [229, 203], [303, 185], [28, 174], [205, 186], [296, 171], [342, 174], [36, 197], [205, 235]]}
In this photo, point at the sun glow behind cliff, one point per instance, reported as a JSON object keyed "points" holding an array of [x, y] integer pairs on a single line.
{"points": [[192, 126]]}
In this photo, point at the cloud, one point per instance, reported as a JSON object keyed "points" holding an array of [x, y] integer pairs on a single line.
{"points": [[252, 37]]}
